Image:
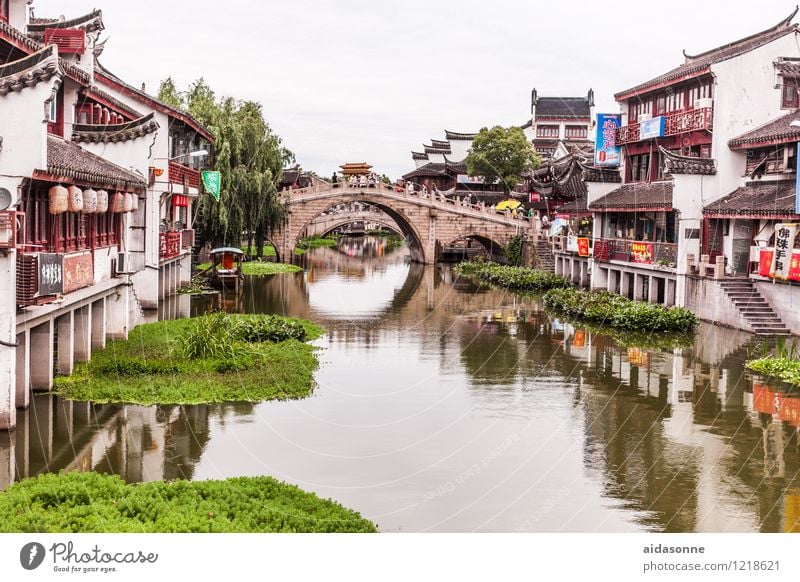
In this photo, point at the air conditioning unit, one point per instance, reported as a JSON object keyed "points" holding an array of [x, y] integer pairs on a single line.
{"points": [[643, 117], [705, 103], [121, 266]]}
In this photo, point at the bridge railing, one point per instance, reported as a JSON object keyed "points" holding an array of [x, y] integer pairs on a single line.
{"points": [[435, 197]]}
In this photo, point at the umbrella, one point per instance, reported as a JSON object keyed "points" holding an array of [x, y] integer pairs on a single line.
{"points": [[508, 204]]}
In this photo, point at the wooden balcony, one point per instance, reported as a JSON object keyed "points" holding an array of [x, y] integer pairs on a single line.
{"points": [[184, 175], [70, 41], [631, 251], [170, 245], [675, 123]]}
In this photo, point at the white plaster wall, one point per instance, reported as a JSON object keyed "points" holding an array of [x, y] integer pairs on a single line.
{"points": [[18, 14], [25, 140], [459, 148], [784, 300], [436, 158], [745, 97], [102, 263]]}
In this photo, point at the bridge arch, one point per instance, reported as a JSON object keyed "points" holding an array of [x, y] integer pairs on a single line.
{"points": [[414, 239], [496, 250], [426, 221]]}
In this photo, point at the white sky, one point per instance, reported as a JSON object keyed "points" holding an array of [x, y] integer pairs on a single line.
{"points": [[358, 80]]}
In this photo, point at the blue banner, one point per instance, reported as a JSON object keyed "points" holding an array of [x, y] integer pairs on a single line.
{"points": [[651, 128], [606, 151]]}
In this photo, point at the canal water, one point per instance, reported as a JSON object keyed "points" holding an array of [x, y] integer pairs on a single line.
{"points": [[445, 406]]}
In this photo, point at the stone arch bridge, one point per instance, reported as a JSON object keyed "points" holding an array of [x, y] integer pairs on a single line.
{"points": [[429, 222]]}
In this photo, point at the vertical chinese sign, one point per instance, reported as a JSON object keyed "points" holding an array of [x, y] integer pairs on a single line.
{"points": [[583, 246], [784, 243], [607, 153], [212, 182]]}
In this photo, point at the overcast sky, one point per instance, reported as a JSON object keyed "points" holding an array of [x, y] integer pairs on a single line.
{"points": [[358, 80]]}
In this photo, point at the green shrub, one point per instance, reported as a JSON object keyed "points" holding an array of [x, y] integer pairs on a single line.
{"points": [[513, 278], [618, 312], [783, 368], [133, 367], [268, 328], [92, 503], [209, 336]]}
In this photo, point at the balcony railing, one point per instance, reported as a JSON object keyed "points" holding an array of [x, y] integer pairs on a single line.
{"points": [[674, 124], [183, 175], [170, 245], [632, 251]]}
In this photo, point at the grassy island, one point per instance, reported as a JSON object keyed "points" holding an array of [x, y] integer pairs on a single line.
{"points": [[213, 358], [522, 279], [260, 268], [615, 311], [93, 503]]}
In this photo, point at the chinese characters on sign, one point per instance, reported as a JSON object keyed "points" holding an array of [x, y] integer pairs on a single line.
{"points": [[212, 182], [784, 243], [583, 246], [51, 274], [607, 152], [641, 252]]}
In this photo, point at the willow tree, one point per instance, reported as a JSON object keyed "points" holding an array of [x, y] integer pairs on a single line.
{"points": [[250, 159]]}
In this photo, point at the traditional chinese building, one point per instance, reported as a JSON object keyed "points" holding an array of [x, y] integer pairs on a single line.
{"points": [[561, 125], [81, 154], [687, 138]]}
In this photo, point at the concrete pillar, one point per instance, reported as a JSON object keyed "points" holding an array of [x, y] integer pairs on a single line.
{"points": [[669, 293], [584, 274], [23, 369], [41, 352], [117, 314], [83, 334], [625, 283], [652, 291], [98, 320], [66, 344], [8, 335]]}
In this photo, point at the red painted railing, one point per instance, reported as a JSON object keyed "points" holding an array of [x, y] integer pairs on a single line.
{"points": [[70, 41], [614, 249], [170, 245], [179, 172], [674, 124]]}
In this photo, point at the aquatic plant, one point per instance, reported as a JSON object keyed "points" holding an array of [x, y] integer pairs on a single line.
{"points": [[619, 312], [93, 503], [513, 278], [214, 358], [783, 368]]}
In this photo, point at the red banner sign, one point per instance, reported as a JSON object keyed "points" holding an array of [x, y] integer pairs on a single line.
{"points": [[765, 264], [642, 252], [534, 197], [78, 271], [583, 246]]}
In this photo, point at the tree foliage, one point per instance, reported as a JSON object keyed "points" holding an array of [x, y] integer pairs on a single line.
{"points": [[502, 154], [250, 158]]}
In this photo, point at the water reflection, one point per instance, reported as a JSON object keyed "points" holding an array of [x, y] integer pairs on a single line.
{"points": [[442, 406]]}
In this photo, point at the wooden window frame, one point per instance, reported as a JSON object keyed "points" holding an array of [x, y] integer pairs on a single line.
{"points": [[792, 102], [546, 131], [582, 132]]}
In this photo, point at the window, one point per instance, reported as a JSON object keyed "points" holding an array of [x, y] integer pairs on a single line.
{"points": [[547, 131], [575, 132], [790, 94], [52, 113], [639, 167]]}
